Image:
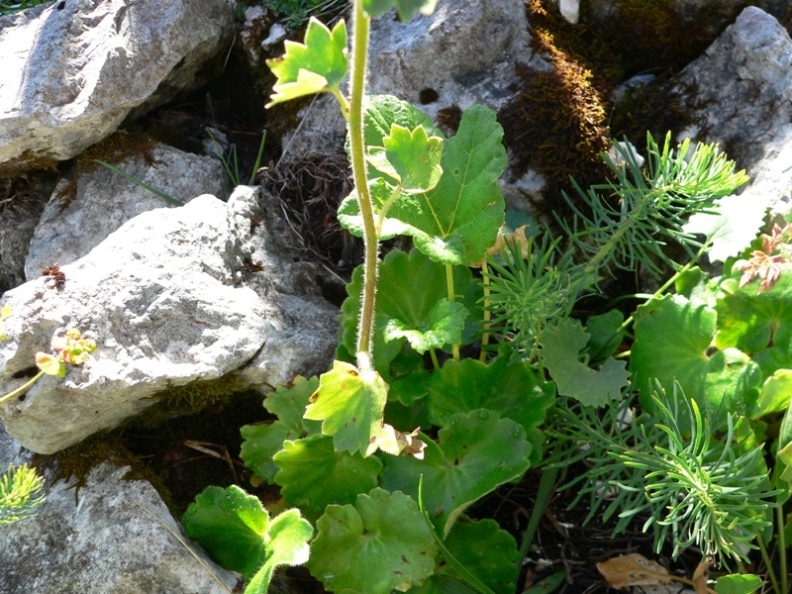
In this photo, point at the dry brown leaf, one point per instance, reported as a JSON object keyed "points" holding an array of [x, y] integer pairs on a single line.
{"points": [[633, 570], [700, 575]]}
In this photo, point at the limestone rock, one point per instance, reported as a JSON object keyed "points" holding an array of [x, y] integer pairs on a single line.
{"points": [[168, 300], [95, 61], [463, 54], [739, 94], [77, 219], [112, 535]]}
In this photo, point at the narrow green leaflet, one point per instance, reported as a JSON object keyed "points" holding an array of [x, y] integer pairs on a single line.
{"points": [[236, 531], [410, 157], [262, 441], [673, 338], [513, 390], [350, 405], [319, 64], [735, 223], [561, 348], [406, 8], [442, 325], [476, 452], [488, 552], [410, 288], [313, 475], [378, 544]]}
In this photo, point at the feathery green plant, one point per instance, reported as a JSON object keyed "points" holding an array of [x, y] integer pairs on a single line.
{"points": [[694, 489], [20, 493]]}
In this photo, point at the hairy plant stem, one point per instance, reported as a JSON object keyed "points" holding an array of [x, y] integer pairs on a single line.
{"points": [[452, 298], [360, 42]]}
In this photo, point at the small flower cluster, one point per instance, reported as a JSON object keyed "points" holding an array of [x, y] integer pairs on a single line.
{"points": [[71, 348]]}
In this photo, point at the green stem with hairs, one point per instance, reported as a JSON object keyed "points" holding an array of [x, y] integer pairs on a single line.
{"points": [[371, 240]]}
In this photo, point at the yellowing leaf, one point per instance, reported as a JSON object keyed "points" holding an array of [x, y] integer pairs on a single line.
{"points": [[633, 570], [319, 64], [50, 364]]}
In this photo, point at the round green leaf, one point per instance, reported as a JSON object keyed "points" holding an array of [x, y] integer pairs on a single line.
{"points": [[513, 390], [672, 345], [314, 475], [378, 544], [476, 452], [231, 525]]}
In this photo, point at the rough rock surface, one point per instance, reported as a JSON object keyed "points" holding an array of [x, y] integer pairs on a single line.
{"points": [[739, 93], [95, 61], [111, 535], [166, 300], [74, 223], [463, 54]]}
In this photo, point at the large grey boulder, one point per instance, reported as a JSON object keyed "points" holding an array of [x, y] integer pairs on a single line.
{"points": [[463, 54], [168, 300], [739, 93], [80, 215], [110, 535], [92, 62]]}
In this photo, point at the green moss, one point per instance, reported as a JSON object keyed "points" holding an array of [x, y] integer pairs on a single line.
{"points": [[557, 123], [113, 149], [77, 461]]}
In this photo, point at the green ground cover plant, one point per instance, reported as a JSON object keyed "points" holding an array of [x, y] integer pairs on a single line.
{"points": [[386, 451]]}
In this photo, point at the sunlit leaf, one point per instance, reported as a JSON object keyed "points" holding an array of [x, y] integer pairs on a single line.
{"points": [[319, 64], [287, 544], [409, 289], [738, 583], [735, 223], [375, 545], [236, 531], [50, 364], [350, 405], [457, 221]]}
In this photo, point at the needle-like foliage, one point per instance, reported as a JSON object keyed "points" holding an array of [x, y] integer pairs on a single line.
{"points": [[695, 489], [629, 220]]}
